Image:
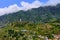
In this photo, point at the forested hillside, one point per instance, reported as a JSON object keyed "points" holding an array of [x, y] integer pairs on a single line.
{"points": [[33, 24], [41, 14]]}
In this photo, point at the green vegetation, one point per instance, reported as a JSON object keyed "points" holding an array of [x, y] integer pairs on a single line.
{"points": [[29, 31], [34, 24]]}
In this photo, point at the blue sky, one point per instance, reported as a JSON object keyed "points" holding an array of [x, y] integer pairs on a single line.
{"points": [[5, 3]]}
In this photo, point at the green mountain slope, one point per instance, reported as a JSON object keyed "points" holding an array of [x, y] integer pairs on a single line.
{"points": [[41, 14], [34, 24]]}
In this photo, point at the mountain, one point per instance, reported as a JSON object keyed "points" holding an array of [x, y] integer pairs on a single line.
{"points": [[41, 14], [32, 24]]}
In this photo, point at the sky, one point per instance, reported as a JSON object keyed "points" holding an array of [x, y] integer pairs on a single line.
{"points": [[6, 3], [10, 6]]}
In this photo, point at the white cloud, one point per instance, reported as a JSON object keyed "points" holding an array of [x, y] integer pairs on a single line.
{"points": [[26, 6], [15, 7], [9, 9], [52, 2]]}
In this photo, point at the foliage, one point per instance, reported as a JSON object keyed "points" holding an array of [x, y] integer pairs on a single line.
{"points": [[34, 24], [29, 31]]}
